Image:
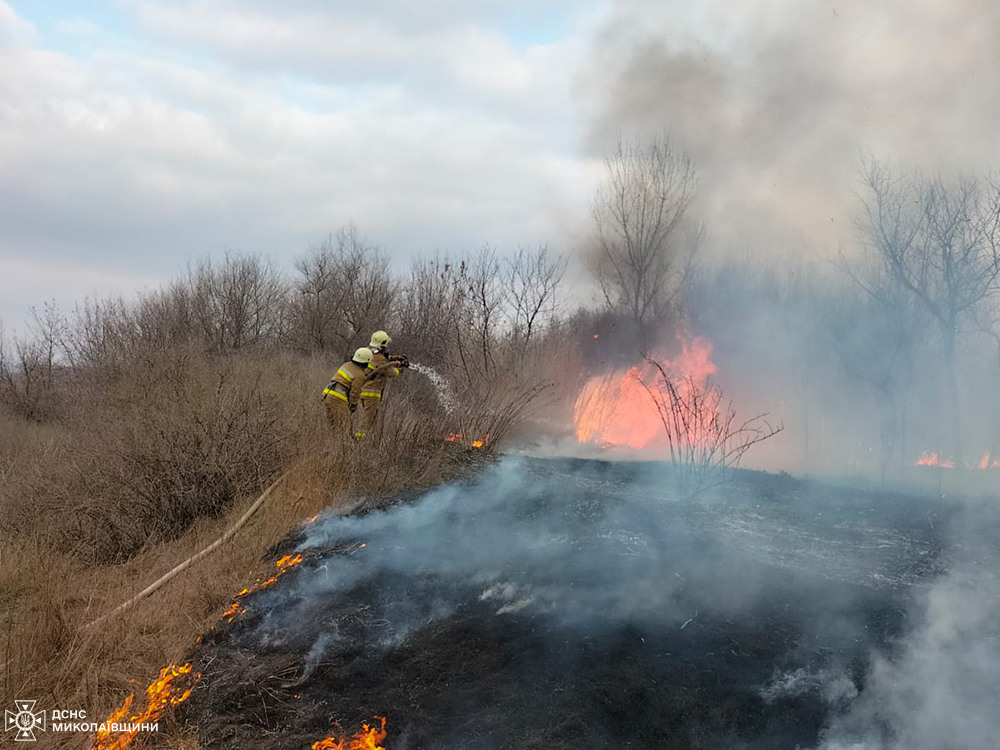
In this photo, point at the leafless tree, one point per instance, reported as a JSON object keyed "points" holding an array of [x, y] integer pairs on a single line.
{"points": [[645, 243], [485, 298], [940, 241], [532, 279], [875, 333], [28, 365], [345, 286], [431, 306], [235, 304]]}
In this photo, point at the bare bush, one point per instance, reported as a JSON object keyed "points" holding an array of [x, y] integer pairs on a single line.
{"points": [[233, 305], [177, 438], [704, 438]]}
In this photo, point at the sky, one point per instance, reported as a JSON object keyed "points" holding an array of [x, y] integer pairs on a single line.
{"points": [[138, 135]]}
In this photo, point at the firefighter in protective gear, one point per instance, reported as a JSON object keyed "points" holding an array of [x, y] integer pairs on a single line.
{"points": [[342, 394], [382, 367]]}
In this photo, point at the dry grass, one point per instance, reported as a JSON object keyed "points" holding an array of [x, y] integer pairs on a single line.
{"points": [[132, 434], [96, 507]]}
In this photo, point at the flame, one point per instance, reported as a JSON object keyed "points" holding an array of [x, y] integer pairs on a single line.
{"points": [[233, 612], [986, 463], [284, 564], [617, 410], [367, 739], [930, 458], [457, 437], [160, 695]]}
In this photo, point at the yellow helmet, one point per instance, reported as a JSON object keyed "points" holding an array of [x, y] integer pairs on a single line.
{"points": [[380, 340], [362, 356]]}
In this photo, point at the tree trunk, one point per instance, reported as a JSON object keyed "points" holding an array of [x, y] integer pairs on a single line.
{"points": [[956, 417], [995, 447]]}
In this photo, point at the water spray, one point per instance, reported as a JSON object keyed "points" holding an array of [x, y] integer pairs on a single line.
{"points": [[445, 394]]}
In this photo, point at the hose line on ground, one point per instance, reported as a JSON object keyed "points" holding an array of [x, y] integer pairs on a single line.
{"points": [[194, 558]]}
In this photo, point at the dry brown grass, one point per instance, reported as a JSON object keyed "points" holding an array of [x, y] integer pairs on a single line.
{"points": [[96, 507], [133, 434]]}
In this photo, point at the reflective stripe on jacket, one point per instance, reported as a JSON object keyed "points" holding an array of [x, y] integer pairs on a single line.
{"points": [[346, 383]]}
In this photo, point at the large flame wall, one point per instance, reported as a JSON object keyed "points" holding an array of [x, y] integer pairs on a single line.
{"points": [[618, 410]]}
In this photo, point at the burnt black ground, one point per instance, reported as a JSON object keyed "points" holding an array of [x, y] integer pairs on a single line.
{"points": [[575, 604]]}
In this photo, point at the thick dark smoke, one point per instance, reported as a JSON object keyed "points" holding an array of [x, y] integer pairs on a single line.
{"points": [[778, 100], [580, 604]]}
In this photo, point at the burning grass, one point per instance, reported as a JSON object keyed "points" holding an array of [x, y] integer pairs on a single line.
{"points": [[49, 492], [283, 565], [574, 608], [368, 738], [170, 689]]}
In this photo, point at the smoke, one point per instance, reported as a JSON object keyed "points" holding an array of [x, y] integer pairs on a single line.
{"points": [[826, 618], [320, 647], [777, 101], [938, 688], [836, 686]]}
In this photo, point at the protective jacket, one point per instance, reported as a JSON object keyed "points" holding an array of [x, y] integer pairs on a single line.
{"points": [[347, 383], [379, 372]]}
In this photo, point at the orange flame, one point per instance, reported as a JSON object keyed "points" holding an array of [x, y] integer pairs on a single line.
{"points": [[233, 612], [617, 410], [457, 437], [284, 564], [160, 695], [930, 458], [367, 739], [986, 463]]}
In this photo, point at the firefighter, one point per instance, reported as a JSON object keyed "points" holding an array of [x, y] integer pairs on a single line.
{"points": [[344, 391], [382, 367]]}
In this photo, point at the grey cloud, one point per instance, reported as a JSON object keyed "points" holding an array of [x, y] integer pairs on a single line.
{"points": [[778, 100]]}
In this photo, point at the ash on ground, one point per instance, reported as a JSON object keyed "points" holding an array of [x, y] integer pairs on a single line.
{"points": [[579, 604]]}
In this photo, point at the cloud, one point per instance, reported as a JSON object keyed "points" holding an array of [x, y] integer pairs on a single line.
{"points": [[442, 51], [14, 30], [135, 158], [26, 284]]}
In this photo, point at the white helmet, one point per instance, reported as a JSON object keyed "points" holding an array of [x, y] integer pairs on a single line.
{"points": [[380, 340], [362, 356]]}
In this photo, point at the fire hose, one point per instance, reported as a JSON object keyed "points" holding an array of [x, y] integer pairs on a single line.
{"points": [[158, 583]]}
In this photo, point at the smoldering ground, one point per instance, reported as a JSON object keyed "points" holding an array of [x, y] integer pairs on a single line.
{"points": [[568, 603]]}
